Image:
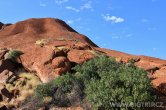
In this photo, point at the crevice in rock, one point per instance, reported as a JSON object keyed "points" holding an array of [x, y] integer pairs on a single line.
{"points": [[153, 70]]}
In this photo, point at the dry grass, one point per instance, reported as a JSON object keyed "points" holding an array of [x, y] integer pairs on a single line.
{"points": [[63, 48], [96, 53], [47, 99], [25, 85], [42, 42]]}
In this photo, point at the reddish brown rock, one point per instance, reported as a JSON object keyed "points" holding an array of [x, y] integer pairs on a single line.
{"points": [[6, 95], [113, 53], [2, 53], [79, 56], [160, 72], [46, 62], [40, 60], [148, 65], [60, 65], [81, 46], [23, 36], [26, 33], [59, 62], [57, 34], [5, 76], [160, 76]]}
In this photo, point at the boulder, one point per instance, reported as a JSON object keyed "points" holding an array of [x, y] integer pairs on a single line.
{"points": [[5, 76], [81, 46], [79, 56], [6, 95], [148, 65], [47, 62], [159, 76], [61, 62], [160, 72]]}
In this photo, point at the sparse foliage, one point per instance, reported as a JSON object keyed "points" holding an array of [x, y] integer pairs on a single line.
{"points": [[41, 42], [13, 54]]}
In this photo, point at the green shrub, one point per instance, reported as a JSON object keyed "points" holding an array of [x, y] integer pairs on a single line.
{"points": [[100, 81], [93, 68], [44, 90], [13, 54], [65, 90], [108, 81]]}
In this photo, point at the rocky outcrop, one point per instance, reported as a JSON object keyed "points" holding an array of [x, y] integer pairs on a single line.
{"points": [[50, 48], [29, 31], [57, 60], [5, 76], [44, 42], [79, 56], [2, 26], [7, 67]]}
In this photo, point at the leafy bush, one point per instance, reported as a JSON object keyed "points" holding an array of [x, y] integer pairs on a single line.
{"points": [[100, 81], [13, 54], [44, 90], [65, 90], [108, 81]]}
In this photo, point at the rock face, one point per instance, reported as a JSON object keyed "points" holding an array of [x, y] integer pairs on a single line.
{"points": [[44, 42], [51, 47], [7, 67], [79, 56], [2, 26]]}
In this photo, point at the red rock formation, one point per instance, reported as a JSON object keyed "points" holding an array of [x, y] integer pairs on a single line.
{"points": [[50, 45], [29, 31], [53, 34]]}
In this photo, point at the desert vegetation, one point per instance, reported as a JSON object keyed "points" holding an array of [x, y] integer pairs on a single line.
{"points": [[98, 82], [42, 42], [13, 55], [20, 88]]}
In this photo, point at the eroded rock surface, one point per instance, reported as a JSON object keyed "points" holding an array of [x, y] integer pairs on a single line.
{"points": [[50, 48], [42, 40]]}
